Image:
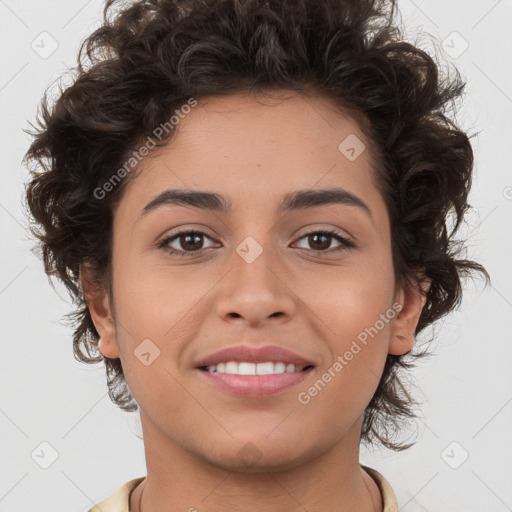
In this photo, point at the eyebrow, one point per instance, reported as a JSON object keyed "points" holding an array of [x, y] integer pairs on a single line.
{"points": [[298, 200]]}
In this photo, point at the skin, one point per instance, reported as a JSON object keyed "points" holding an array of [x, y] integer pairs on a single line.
{"points": [[294, 295]]}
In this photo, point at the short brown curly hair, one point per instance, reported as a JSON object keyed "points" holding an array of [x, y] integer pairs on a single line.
{"points": [[151, 56]]}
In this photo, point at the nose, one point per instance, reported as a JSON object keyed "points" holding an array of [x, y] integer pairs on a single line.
{"points": [[256, 291]]}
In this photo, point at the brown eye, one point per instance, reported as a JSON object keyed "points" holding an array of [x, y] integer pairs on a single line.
{"points": [[190, 242], [184, 242], [321, 241]]}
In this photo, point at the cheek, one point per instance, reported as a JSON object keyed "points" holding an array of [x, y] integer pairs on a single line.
{"points": [[353, 313], [351, 298], [152, 313], [152, 299]]}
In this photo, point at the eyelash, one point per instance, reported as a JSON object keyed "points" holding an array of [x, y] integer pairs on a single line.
{"points": [[346, 243]]}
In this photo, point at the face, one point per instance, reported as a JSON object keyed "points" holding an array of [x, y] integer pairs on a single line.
{"points": [[312, 278]]}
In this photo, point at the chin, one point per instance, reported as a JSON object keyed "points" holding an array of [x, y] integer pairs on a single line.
{"points": [[258, 456]]}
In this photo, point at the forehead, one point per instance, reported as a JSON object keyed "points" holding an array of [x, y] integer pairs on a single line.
{"points": [[255, 149]]}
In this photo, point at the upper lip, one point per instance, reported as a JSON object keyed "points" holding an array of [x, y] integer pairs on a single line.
{"points": [[254, 355]]}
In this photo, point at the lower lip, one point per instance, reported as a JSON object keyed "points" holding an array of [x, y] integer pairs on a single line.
{"points": [[255, 385]]}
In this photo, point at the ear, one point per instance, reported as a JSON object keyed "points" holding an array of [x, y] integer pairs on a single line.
{"points": [[97, 299], [411, 300]]}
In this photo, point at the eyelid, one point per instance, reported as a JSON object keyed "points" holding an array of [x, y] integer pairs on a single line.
{"points": [[184, 230], [316, 228]]}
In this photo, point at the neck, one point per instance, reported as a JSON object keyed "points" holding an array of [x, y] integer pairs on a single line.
{"points": [[178, 479]]}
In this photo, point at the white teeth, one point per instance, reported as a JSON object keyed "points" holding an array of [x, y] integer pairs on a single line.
{"points": [[263, 368], [246, 368], [279, 367], [231, 367]]}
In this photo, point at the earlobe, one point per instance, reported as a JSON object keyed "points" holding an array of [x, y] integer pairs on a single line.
{"points": [[411, 300], [101, 312]]}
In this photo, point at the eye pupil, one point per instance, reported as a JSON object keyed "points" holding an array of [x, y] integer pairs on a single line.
{"points": [[314, 238], [195, 245]]}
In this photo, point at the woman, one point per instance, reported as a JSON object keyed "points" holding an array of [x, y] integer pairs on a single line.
{"points": [[249, 202]]}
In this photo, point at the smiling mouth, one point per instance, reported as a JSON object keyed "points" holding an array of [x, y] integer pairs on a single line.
{"points": [[248, 368]]}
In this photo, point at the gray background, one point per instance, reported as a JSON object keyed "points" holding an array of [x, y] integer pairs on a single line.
{"points": [[47, 396]]}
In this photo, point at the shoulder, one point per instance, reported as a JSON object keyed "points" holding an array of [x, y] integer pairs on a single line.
{"points": [[119, 501], [389, 501]]}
